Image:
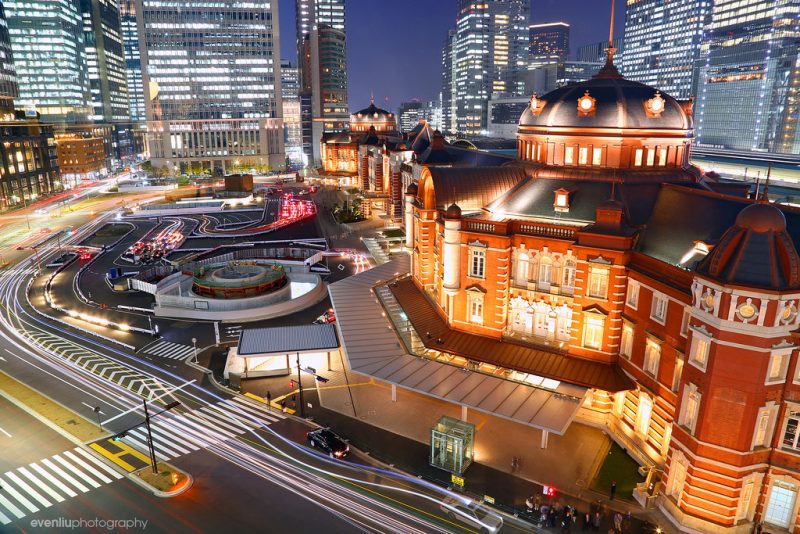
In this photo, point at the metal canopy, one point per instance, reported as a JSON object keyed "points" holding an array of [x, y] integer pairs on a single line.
{"points": [[287, 339], [373, 348]]}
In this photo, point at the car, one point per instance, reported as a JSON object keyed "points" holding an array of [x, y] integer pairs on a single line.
{"points": [[327, 440], [473, 514]]}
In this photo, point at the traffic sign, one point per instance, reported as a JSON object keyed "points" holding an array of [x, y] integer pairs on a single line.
{"points": [[457, 480]]}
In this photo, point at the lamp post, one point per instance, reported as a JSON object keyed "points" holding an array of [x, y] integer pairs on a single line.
{"points": [[194, 345]]}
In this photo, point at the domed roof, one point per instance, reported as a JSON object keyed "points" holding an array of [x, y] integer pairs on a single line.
{"points": [[373, 112], [756, 251], [453, 212], [614, 102]]}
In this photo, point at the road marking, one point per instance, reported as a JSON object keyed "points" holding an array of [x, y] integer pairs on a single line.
{"points": [[92, 408], [78, 472], [18, 496], [88, 467], [53, 467], [4, 432], [113, 457], [29, 490], [168, 392], [45, 487], [11, 507]]}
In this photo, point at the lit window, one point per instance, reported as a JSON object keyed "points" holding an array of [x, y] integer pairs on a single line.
{"points": [[761, 435], [652, 357], [593, 331], [626, 344], [633, 294], [698, 354], [476, 308], [676, 375], [522, 269], [777, 367], [791, 434], [651, 157], [561, 202], [583, 155], [568, 283], [644, 414], [545, 271], [477, 264], [598, 283], [569, 155], [637, 157], [690, 407], [662, 157], [658, 310], [685, 322], [597, 156]]}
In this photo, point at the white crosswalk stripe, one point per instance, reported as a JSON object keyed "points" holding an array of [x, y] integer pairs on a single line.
{"points": [[168, 349], [178, 434], [30, 488]]}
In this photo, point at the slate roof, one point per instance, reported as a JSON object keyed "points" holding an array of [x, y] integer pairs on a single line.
{"points": [[287, 339], [472, 188]]}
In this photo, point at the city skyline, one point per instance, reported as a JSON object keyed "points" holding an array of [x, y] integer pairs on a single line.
{"points": [[429, 22]]}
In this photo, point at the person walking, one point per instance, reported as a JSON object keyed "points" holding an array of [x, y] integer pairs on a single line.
{"points": [[618, 522], [613, 489], [587, 521], [596, 521]]}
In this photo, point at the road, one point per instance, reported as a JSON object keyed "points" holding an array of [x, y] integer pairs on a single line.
{"points": [[238, 450]]}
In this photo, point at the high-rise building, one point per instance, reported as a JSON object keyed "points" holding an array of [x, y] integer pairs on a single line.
{"points": [[489, 50], [549, 42], [541, 79], [410, 113], [212, 83], [748, 77], [290, 92], [28, 163], [322, 55], [133, 63], [47, 41], [448, 95], [596, 52], [105, 58], [662, 42]]}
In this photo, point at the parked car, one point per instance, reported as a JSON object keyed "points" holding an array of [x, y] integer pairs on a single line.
{"points": [[327, 440], [473, 514]]}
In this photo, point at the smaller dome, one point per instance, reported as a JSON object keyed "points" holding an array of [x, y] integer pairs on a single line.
{"points": [[412, 189], [453, 212], [374, 111], [761, 218]]}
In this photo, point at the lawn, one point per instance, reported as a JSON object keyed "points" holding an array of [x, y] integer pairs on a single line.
{"points": [[619, 467]]}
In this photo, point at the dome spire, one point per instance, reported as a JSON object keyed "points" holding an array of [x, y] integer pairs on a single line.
{"points": [[609, 70]]}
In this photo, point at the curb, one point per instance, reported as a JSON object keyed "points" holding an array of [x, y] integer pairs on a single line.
{"points": [[158, 493]]}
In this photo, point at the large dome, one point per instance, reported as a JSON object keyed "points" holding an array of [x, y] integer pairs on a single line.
{"points": [[614, 103], [373, 112]]}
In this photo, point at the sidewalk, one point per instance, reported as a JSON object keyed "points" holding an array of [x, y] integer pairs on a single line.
{"points": [[397, 433]]}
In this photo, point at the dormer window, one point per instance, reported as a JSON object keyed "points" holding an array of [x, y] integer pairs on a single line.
{"points": [[561, 203]]}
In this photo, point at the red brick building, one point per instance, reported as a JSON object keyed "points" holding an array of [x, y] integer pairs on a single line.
{"points": [[602, 258]]}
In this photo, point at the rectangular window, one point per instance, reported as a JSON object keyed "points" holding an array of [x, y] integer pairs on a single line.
{"points": [[477, 264], [626, 344], [691, 407], [658, 310], [676, 375], [761, 436], [598, 282], [597, 156], [662, 157], [685, 322], [476, 310], [593, 332], [698, 354], [777, 367], [633, 294], [637, 157], [583, 155], [644, 414], [652, 357], [651, 157], [569, 155], [790, 435]]}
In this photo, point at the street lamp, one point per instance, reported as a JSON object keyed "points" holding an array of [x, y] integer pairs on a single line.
{"points": [[194, 345]]}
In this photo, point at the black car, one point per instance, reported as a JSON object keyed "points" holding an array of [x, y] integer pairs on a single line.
{"points": [[329, 442]]}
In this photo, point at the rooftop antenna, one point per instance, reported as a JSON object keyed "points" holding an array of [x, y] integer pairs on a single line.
{"points": [[609, 70], [766, 183], [372, 97], [758, 184]]}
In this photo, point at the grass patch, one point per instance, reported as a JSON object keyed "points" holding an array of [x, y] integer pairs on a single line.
{"points": [[394, 232], [167, 478], [113, 230], [620, 467]]}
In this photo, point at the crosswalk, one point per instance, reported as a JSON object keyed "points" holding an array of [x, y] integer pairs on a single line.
{"points": [[38, 485], [168, 349], [177, 434]]}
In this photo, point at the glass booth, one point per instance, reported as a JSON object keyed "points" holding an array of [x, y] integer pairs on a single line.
{"points": [[452, 444]]}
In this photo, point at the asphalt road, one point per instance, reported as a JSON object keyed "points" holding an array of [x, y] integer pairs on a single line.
{"points": [[24, 439]]}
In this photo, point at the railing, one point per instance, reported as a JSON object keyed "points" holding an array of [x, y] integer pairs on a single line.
{"points": [[545, 230], [486, 227]]}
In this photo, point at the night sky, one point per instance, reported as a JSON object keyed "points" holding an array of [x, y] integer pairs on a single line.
{"points": [[395, 46]]}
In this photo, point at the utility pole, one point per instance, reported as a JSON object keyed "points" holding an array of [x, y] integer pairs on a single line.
{"points": [[150, 437], [300, 385]]}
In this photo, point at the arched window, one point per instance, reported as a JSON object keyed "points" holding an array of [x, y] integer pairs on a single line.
{"points": [[568, 278], [523, 263], [545, 271]]}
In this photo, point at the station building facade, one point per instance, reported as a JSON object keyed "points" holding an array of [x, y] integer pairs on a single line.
{"points": [[601, 257]]}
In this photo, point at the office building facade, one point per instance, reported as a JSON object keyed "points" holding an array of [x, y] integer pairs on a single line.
{"points": [[748, 78], [549, 42], [322, 57], [133, 63], [596, 52], [212, 84], [46, 33], [290, 92], [488, 51], [662, 42]]}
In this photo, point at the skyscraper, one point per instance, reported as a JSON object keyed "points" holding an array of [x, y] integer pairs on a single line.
{"points": [[290, 92], [489, 49], [212, 84], [549, 42], [8, 76], [596, 52], [105, 57], [448, 94], [50, 58], [748, 77], [133, 63], [322, 55], [410, 113], [662, 42]]}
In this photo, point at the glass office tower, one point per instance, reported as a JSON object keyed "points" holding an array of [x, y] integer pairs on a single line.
{"points": [[212, 84], [133, 63]]}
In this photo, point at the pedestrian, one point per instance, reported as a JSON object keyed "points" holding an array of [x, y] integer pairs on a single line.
{"points": [[269, 401], [530, 504], [596, 521], [587, 520], [618, 521], [613, 489], [626, 523], [283, 406], [514, 464]]}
